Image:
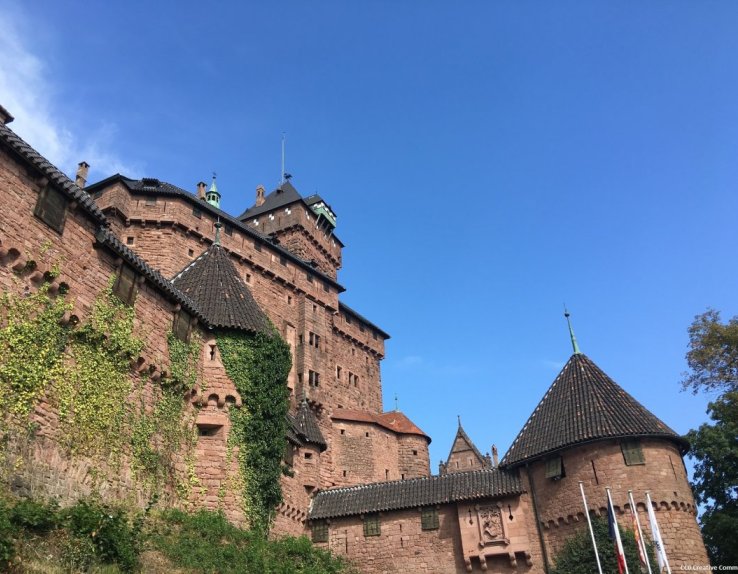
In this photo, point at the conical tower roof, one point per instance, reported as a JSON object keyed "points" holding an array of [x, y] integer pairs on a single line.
{"points": [[307, 426], [582, 405], [213, 283]]}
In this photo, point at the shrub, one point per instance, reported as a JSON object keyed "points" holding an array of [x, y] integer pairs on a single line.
{"points": [[35, 515], [6, 540], [113, 537]]}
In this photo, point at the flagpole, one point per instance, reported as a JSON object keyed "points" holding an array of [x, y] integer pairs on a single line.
{"points": [[656, 535], [641, 540], [618, 540], [591, 530]]}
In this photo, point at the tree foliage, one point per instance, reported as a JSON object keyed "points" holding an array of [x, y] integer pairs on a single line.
{"points": [[577, 556], [713, 354], [713, 360]]}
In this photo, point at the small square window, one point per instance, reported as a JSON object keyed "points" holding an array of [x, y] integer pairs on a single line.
{"points": [[632, 452], [282, 260], [181, 328], [129, 240], [257, 246], [309, 277], [197, 212], [429, 518], [125, 285], [150, 201], [371, 525], [190, 253], [228, 230], [51, 208], [555, 468], [319, 530]]}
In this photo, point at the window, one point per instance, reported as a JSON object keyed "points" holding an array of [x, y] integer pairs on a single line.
{"points": [[150, 201], [190, 252], [125, 285], [314, 340], [181, 328], [309, 277], [129, 240], [632, 452], [282, 260], [228, 230], [555, 468], [51, 208], [257, 246], [289, 455], [326, 287], [289, 299], [429, 518], [319, 530], [308, 455], [248, 277], [197, 212], [313, 378], [338, 372], [371, 525]]}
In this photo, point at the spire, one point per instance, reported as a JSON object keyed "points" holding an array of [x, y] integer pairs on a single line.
{"points": [[213, 196], [574, 343], [459, 418], [397, 407]]}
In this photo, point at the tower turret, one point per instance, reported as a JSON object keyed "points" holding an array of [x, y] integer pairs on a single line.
{"points": [[213, 196]]}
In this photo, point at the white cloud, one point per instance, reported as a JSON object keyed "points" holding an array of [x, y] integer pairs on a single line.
{"points": [[27, 92]]}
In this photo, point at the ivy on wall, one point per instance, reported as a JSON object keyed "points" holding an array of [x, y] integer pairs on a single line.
{"points": [[105, 411], [258, 364]]}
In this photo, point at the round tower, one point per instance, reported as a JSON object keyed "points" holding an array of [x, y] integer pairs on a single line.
{"points": [[588, 429]]}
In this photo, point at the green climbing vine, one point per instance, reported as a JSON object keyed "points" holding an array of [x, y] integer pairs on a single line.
{"points": [[258, 365], [85, 373], [32, 341]]}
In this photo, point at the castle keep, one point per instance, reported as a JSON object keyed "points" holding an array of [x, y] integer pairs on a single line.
{"points": [[357, 478]]}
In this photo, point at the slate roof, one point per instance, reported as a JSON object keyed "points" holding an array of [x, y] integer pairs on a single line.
{"points": [[306, 426], [213, 283], [285, 194], [583, 404], [395, 421], [461, 433], [414, 493], [54, 175]]}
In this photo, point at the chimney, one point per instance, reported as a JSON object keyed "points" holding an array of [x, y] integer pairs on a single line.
{"points": [[82, 170], [260, 195], [5, 116], [495, 463], [201, 187]]}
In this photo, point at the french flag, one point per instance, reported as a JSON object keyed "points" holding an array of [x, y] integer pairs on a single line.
{"points": [[615, 536]]}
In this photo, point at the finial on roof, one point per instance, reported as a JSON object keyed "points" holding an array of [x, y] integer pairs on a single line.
{"points": [[459, 417], [574, 343], [218, 225], [397, 408]]}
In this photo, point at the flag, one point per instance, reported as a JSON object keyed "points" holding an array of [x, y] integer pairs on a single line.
{"points": [[658, 543], [637, 534], [615, 536]]}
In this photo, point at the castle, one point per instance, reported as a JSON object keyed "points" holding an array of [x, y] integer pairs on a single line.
{"points": [[358, 478]]}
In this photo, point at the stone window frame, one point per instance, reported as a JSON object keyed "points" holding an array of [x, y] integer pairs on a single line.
{"points": [[197, 212], [126, 284], [429, 518], [554, 468], [51, 208], [182, 325], [319, 531], [632, 452], [372, 524]]}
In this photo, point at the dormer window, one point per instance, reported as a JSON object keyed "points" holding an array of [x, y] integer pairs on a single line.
{"points": [[125, 285], [51, 208], [181, 327]]}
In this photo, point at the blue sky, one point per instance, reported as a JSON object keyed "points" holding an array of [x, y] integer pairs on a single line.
{"points": [[488, 161]]}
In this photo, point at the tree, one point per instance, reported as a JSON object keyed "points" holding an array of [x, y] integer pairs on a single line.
{"points": [[715, 485], [577, 556], [713, 354], [713, 360]]}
